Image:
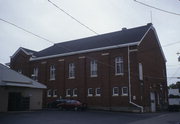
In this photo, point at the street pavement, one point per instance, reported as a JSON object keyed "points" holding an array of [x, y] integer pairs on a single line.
{"points": [[88, 117]]}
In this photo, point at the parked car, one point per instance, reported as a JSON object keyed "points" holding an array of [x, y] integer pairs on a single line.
{"points": [[72, 105], [54, 104]]}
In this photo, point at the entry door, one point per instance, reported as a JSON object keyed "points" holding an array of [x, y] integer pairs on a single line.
{"points": [[153, 102], [14, 101]]}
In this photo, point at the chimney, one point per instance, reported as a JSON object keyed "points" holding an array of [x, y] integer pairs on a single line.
{"points": [[124, 28]]}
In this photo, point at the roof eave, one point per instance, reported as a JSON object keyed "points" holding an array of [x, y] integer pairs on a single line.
{"points": [[85, 51]]}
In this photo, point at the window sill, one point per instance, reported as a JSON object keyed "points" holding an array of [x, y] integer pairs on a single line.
{"points": [[98, 95], [90, 95], [93, 76], [68, 96], [74, 96], [55, 96], [52, 79], [115, 95], [124, 95], [120, 74], [71, 78]]}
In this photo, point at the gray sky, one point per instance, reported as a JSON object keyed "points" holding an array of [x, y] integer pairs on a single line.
{"points": [[103, 16]]}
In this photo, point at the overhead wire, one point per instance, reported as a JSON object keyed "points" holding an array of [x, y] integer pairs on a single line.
{"points": [[26, 30], [90, 29], [162, 10]]}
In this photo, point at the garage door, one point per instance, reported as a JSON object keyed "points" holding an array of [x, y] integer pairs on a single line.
{"points": [[17, 103]]}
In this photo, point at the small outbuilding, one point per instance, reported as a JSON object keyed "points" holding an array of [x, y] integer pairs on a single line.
{"points": [[18, 92]]}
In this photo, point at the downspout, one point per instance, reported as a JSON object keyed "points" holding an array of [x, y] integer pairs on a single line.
{"points": [[129, 79]]}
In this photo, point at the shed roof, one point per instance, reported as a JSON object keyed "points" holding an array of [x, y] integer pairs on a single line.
{"points": [[9, 77]]}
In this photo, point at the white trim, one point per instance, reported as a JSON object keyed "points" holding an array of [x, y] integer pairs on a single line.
{"points": [[97, 92], [67, 94], [20, 49], [124, 94], [129, 82], [105, 54], [61, 60], [133, 50], [85, 51], [74, 95], [49, 93], [115, 94], [55, 95], [89, 94], [151, 27]]}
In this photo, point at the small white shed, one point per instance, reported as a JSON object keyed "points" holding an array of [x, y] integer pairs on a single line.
{"points": [[18, 92]]}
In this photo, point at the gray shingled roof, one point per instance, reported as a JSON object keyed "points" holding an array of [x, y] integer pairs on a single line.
{"points": [[9, 77], [124, 36]]}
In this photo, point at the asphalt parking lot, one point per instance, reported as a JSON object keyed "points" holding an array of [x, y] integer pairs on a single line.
{"points": [[84, 117]]}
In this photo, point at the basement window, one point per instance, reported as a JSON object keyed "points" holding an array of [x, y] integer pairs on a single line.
{"points": [[49, 93], [124, 91], [68, 92], [115, 91], [90, 91], [98, 91], [75, 92]]}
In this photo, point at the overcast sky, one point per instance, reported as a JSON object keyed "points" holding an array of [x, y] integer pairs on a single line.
{"points": [[103, 16]]}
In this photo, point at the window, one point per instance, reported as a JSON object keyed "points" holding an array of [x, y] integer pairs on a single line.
{"points": [[124, 91], [49, 93], [98, 91], [35, 74], [54, 93], [71, 70], [93, 67], [68, 92], [119, 66], [115, 91], [52, 72], [140, 71], [90, 92], [75, 92]]}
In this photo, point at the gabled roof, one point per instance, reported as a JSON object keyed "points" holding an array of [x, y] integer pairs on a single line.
{"points": [[9, 77], [125, 36], [25, 50]]}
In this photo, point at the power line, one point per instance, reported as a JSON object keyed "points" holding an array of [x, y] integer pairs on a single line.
{"points": [[26, 30], [73, 17], [162, 10]]}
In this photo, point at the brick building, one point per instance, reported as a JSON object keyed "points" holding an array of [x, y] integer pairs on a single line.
{"points": [[123, 70]]}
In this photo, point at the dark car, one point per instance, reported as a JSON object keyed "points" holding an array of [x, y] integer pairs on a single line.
{"points": [[71, 105], [54, 104]]}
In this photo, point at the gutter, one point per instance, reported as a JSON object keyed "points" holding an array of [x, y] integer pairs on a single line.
{"points": [[129, 80]]}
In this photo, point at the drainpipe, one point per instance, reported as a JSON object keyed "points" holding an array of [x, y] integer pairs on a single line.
{"points": [[129, 79]]}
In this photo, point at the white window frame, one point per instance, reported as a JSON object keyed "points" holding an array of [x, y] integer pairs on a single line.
{"points": [[55, 93], [93, 68], [35, 74], [89, 92], [52, 72], [98, 94], [119, 66], [75, 92], [68, 92], [71, 70], [113, 91], [140, 71], [123, 93], [49, 93]]}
